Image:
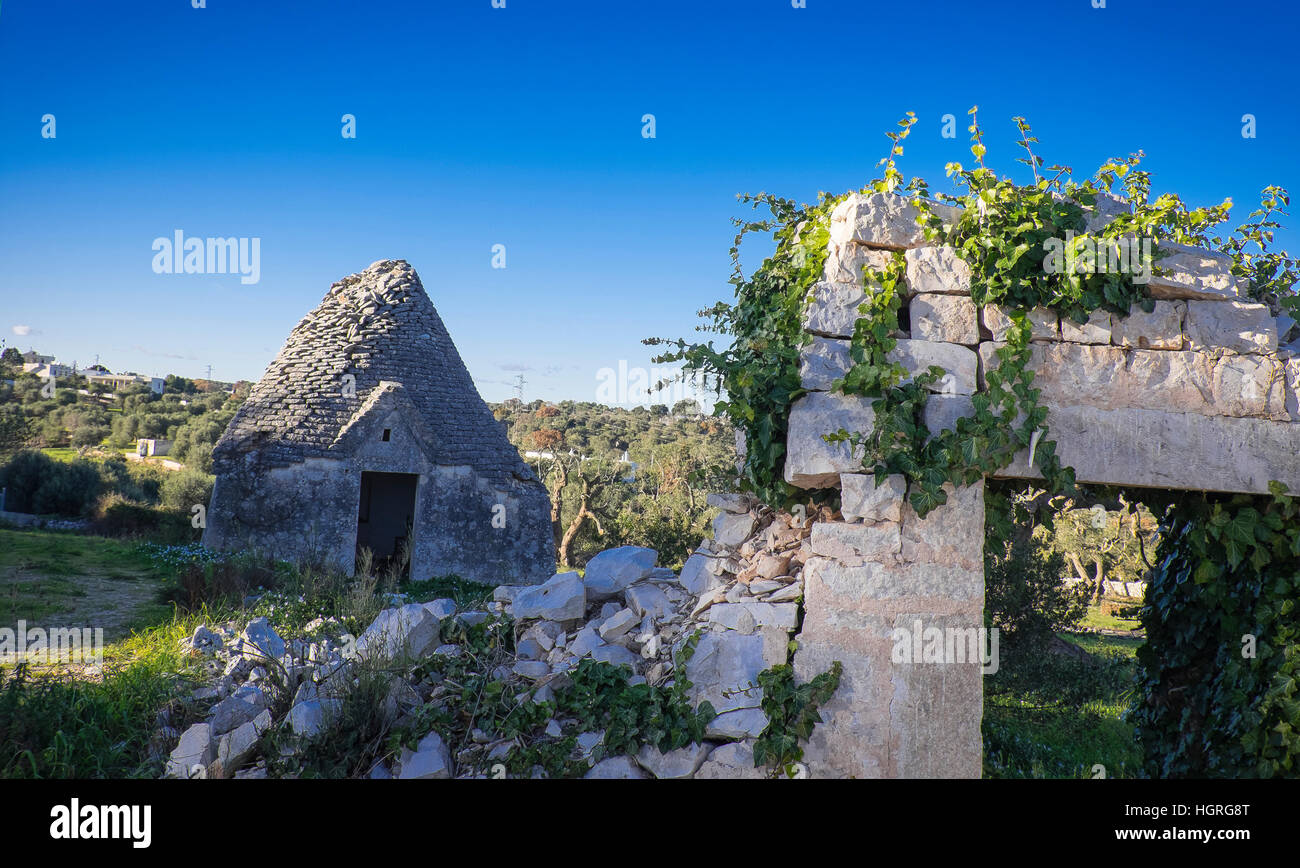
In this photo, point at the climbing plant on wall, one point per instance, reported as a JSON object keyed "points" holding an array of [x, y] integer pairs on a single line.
{"points": [[1001, 233], [1220, 671], [1228, 567], [759, 371]]}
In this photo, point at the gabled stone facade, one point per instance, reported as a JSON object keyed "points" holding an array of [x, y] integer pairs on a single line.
{"points": [[370, 383]]}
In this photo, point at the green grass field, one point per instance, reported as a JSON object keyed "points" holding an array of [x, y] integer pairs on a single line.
{"points": [[49, 577], [1052, 716], [1098, 620]]}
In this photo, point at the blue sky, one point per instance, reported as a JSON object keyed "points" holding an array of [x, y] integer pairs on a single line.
{"points": [[522, 126]]}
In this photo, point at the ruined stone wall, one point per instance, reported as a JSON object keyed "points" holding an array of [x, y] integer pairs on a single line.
{"points": [[1201, 393], [1198, 394]]}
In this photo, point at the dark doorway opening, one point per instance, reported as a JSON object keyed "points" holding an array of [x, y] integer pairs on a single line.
{"points": [[385, 518]]}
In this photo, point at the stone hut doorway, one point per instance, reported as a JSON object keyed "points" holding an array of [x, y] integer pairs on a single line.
{"points": [[386, 517]]}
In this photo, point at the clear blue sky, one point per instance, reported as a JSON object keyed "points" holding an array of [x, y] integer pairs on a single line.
{"points": [[479, 126]]}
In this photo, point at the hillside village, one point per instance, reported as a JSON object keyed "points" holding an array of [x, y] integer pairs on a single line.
{"points": [[45, 367]]}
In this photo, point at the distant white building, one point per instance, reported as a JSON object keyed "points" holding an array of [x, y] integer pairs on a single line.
{"points": [[45, 370], [122, 381], [149, 448]]}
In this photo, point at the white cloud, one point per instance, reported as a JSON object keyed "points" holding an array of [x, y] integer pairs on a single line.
{"points": [[22, 330]]}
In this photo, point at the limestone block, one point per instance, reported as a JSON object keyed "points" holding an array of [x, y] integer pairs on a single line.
{"points": [[724, 669], [237, 746], [824, 360], [1193, 273], [937, 270], [882, 582], [948, 318], [307, 718], [237, 709], [1284, 324], [845, 262], [854, 544], [262, 640], [1240, 327], [882, 220], [196, 750], [810, 461], [746, 617], [960, 363], [943, 411], [730, 501], [648, 599], [833, 309], [731, 529], [1291, 381], [936, 709], [1156, 449], [1043, 323], [616, 655], [563, 597], [613, 570], [729, 762], [430, 760], [854, 738], [740, 723], [411, 630], [676, 764], [1162, 329], [1097, 330], [696, 576], [1107, 207], [1112, 378], [943, 538], [615, 768], [863, 500], [1226, 385]]}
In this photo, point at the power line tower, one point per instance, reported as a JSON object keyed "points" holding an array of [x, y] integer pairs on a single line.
{"points": [[208, 370], [519, 386]]}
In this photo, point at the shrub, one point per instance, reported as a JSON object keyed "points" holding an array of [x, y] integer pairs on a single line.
{"points": [[118, 516], [137, 482], [1024, 596], [35, 483], [185, 488]]}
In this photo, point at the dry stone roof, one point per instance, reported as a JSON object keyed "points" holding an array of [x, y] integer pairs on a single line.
{"points": [[378, 325]]}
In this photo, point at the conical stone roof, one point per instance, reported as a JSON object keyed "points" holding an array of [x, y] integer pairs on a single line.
{"points": [[377, 326]]}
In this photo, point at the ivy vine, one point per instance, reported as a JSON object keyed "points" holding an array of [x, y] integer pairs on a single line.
{"points": [[759, 371], [1220, 671], [1228, 567]]}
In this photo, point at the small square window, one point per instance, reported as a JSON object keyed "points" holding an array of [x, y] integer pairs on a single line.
{"points": [[387, 434]]}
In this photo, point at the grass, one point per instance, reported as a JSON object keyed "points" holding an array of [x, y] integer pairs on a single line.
{"points": [[47, 573], [1100, 619], [468, 595], [74, 727], [1052, 716]]}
